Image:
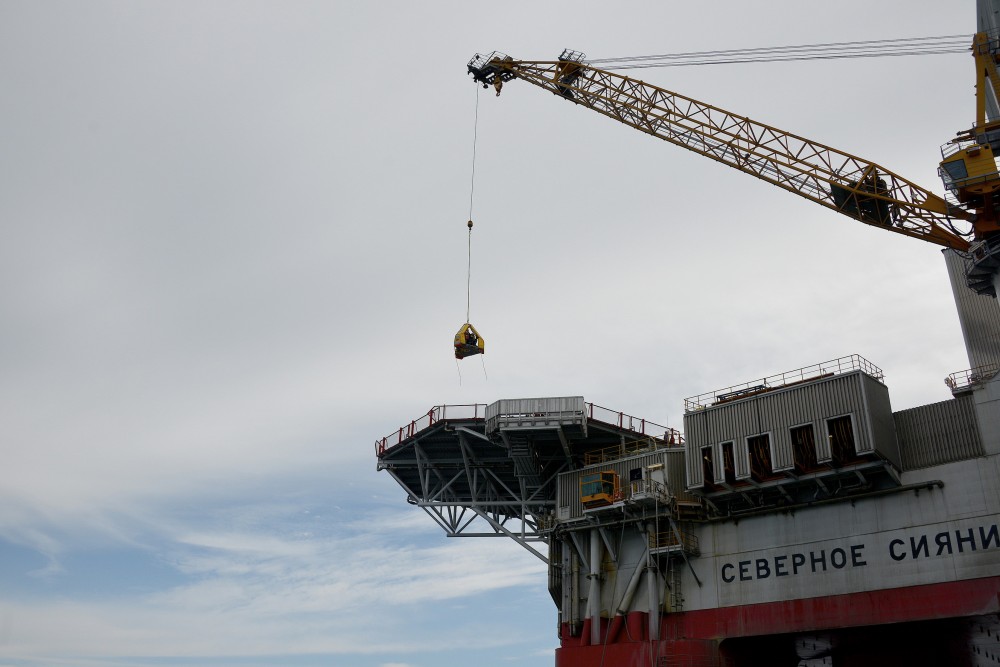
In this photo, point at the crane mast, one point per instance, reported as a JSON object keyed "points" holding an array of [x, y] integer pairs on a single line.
{"points": [[840, 181]]}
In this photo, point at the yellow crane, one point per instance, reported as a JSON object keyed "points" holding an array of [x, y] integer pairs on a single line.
{"points": [[850, 185]]}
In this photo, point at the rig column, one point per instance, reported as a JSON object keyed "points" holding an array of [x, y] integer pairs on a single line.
{"points": [[652, 588], [594, 602]]}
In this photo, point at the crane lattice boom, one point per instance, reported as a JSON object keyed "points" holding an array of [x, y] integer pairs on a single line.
{"points": [[850, 185]]}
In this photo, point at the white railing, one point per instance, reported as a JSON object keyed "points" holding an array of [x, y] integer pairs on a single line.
{"points": [[847, 364], [962, 380]]}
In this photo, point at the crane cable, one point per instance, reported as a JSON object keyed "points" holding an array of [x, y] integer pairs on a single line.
{"points": [[909, 46], [472, 194], [468, 342]]}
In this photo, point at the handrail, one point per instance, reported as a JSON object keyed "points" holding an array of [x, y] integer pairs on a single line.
{"points": [[962, 380], [630, 448], [847, 364], [477, 411], [634, 424], [668, 540], [434, 415]]}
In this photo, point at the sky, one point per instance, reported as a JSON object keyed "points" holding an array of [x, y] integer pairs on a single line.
{"points": [[234, 255]]}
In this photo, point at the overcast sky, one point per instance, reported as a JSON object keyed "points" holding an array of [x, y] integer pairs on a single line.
{"points": [[233, 255]]}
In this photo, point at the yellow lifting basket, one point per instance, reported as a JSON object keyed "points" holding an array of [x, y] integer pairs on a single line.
{"points": [[468, 342]]}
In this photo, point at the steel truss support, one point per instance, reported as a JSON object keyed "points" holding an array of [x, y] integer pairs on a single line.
{"points": [[467, 497]]}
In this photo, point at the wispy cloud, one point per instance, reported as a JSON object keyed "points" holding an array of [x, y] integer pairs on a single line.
{"points": [[256, 589], [228, 267]]}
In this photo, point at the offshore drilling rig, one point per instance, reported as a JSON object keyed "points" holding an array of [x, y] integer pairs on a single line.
{"points": [[798, 520]]}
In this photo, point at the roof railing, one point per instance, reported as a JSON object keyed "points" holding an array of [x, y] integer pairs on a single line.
{"points": [[754, 387], [962, 381]]}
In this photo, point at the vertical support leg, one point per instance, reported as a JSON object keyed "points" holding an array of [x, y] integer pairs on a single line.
{"points": [[595, 587], [653, 590]]}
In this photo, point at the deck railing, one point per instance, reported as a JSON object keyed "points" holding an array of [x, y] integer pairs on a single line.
{"points": [[477, 411], [634, 424], [632, 447], [434, 415], [667, 541], [847, 364], [964, 380]]}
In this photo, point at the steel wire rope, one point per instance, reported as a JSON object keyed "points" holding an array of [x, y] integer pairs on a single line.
{"points": [[468, 276], [771, 60], [944, 44], [953, 41], [956, 40], [472, 193]]}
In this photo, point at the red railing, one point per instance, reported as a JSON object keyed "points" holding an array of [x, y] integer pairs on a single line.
{"points": [[628, 422], [434, 415], [672, 437]]}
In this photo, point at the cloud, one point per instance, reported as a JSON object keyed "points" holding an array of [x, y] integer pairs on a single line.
{"points": [[230, 263], [255, 590]]}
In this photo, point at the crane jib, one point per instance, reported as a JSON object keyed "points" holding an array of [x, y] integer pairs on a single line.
{"points": [[840, 181]]}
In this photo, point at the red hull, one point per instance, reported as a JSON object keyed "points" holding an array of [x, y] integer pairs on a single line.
{"points": [[938, 624]]}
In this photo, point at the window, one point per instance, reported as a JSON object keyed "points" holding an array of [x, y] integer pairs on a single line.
{"points": [[759, 447], [599, 488], [804, 448], [840, 430], [598, 483], [728, 463], [707, 467], [591, 485]]}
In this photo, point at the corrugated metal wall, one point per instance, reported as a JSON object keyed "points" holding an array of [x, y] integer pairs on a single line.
{"points": [[978, 315], [696, 431], [677, 476], [856, 394], [568, 486], [883, 428], [938, 433], [535, 412]]}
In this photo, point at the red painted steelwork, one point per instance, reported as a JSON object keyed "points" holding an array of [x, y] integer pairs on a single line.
{"points": [[972, 597], [691, 639]]}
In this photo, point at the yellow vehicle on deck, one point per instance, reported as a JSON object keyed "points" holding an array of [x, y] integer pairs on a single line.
{"points": [[599, 489]]}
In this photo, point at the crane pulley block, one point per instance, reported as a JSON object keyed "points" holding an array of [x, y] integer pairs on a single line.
{"points": [[486, 69]]}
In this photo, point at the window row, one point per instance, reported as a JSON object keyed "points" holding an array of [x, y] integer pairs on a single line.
{"points": [[806, 458]]}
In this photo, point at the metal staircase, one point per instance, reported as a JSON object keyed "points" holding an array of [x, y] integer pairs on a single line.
{"points": [[525, 468], [982, 265]]}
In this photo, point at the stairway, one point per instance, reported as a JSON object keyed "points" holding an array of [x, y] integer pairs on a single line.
{"points": [[520, 451], [982, 266]]}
